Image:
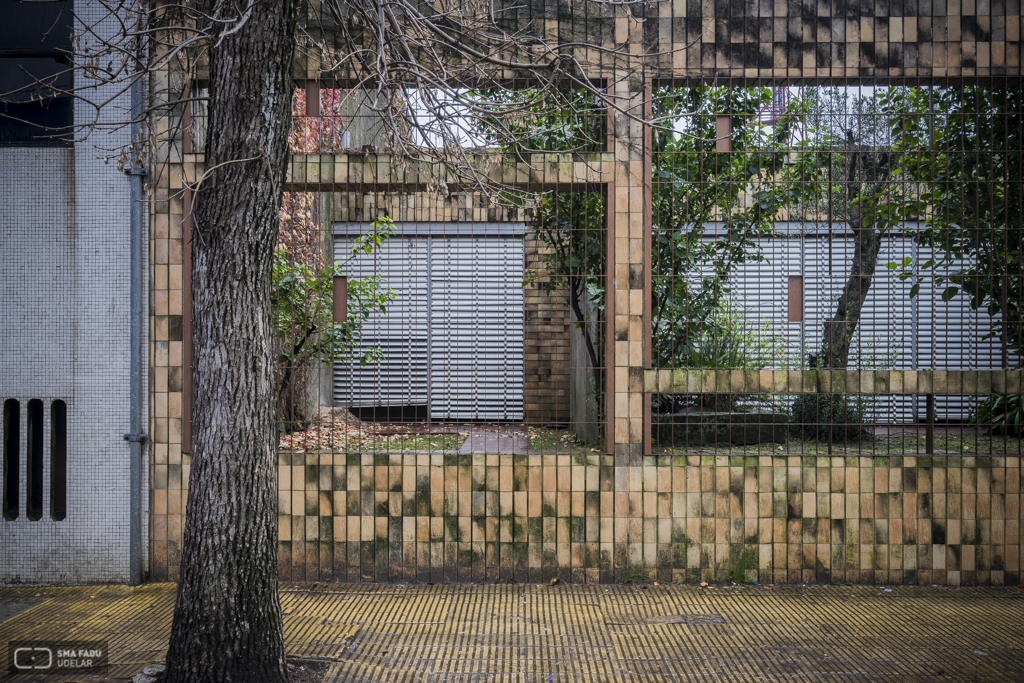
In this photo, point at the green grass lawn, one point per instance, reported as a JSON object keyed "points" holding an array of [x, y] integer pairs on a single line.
{"points": [[965, 442], [544, 440]]}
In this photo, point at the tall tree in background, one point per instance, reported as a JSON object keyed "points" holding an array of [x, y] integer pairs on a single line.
{"points": [[850, 168], [965, 147], [712, 210]]}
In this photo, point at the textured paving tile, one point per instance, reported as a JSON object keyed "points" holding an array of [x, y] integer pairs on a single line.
{"points": [[524, 633], [495, 439]]}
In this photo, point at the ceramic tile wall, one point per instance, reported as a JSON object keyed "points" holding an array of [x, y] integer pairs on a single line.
{"points": [[436, 517]]}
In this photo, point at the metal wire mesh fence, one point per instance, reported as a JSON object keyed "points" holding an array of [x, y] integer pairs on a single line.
{"points": [[834, 228], [856, 228], [600, 285], [829, 271], [628, 345]]}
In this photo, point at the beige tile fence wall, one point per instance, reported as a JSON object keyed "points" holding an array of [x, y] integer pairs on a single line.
{"points": [[450, 517], [724, 381], [766, 42]]}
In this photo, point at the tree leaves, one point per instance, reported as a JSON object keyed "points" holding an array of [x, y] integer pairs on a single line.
{"points": [[302, 308], [967, 160]]}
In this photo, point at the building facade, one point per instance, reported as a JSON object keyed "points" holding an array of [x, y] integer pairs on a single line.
{"points": [[66, 374], [75, 503]]}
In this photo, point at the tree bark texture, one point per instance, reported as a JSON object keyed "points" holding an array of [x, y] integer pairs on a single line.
{"points": [[227, 621], [839, 329]]}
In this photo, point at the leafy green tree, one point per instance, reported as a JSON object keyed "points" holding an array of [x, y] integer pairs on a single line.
{"points": [[849, 163], [965, 148], [521, 122], [302, 310], [698, 193], [711, 209]]}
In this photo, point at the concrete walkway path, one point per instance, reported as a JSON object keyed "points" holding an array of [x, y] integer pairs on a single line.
{"points": [[527, 633], [500, 439]]}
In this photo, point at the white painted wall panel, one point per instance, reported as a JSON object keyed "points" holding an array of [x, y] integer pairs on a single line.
{"points": [[64, 334]]}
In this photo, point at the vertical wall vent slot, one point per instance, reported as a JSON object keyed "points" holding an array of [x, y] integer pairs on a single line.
{"points": [[34, 470], [58, 460], [12, 468]]}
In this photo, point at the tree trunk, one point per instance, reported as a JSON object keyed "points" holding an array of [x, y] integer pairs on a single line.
{"points": [[838, 331], [584, 373], [227, 620]]}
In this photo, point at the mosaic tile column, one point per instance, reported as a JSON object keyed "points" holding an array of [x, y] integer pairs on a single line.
{"points": [[629, 258], [169, 466], [174, 165]]}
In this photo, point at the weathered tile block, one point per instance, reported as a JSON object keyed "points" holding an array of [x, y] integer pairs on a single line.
{"points": [[783, 519]]}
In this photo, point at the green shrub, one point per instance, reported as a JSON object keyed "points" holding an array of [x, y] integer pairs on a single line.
{"points": [[1001, 414], [727, 339], [821, 416]]}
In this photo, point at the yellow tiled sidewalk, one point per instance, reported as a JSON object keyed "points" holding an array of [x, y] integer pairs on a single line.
{"points": [[524, 633]]}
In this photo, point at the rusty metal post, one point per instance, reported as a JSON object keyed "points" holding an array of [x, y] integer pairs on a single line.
{"points": [[340, 293], [312, 98], [648, 209], [723, 133], [609, 321], [929, 421], [186, 121], [610, 121]]}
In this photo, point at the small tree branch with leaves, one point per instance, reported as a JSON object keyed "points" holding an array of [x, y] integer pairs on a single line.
{"points": [[849, 170], [307, 335]]}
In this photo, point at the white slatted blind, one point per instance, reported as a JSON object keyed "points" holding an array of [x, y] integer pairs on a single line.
{"points": [[476, 332], [401, 378], [453, 339], [947, 335]]}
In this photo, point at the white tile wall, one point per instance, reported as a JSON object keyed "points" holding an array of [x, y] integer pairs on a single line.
{"points": [[64, 333]]}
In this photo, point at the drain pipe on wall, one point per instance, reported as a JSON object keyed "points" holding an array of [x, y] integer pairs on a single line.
{"points": [[136, 437]]}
